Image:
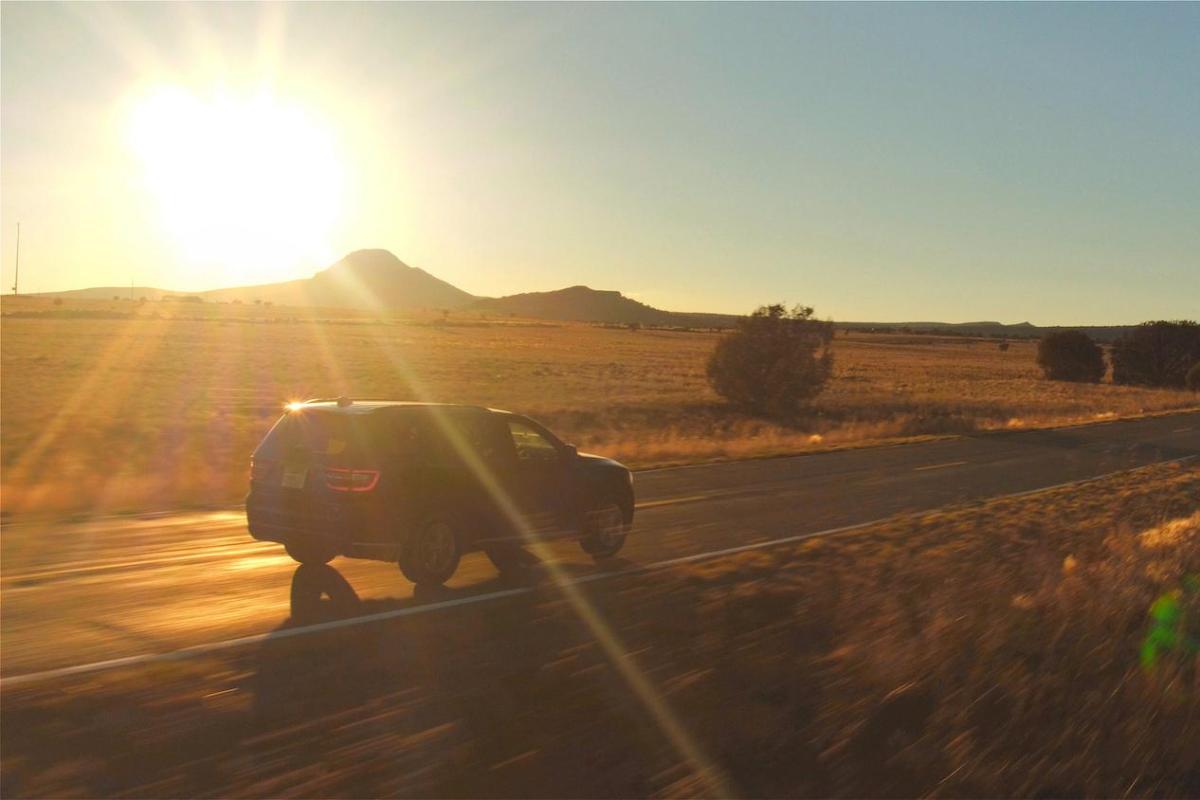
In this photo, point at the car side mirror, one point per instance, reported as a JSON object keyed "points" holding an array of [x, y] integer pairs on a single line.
{"points": [[570, 451]]}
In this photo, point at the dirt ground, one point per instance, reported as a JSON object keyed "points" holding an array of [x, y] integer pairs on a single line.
{"points": [[123, 406]]}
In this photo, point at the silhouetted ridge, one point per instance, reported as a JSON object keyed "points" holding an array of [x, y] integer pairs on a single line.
{"points": [[577, 303], [376, 279], [373, 279]]}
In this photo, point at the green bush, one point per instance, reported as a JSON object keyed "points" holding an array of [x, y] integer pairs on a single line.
{"points": [[1070, 356], [1156, 354], [773, 361]]}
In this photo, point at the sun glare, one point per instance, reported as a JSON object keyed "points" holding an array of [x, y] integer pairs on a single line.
{"points": [[251, 185]]}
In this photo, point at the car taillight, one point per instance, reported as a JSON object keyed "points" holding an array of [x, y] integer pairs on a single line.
{"points": [[260, 468], [351, 480]]}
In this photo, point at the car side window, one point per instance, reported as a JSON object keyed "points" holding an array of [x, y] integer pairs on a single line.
{"points": [[464, 438], [531, 445]]}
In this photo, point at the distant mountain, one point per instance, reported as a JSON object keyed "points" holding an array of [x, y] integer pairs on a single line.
{"points": [[363, 279], [575, 303], [109, 292], [1020, 330], [376, 279]]}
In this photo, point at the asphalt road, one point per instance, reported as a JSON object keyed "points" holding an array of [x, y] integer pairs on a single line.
{"points": [[78, 594]]}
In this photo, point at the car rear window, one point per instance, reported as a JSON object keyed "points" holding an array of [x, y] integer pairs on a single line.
{"points": [[323, 433]]}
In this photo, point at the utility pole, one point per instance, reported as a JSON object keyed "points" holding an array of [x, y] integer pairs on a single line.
{"points": [[17, 269]]}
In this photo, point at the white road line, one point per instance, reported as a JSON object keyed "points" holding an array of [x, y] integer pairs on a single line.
{"points": [[117, 566], [1181, 430], [227, 644], [671, 501], [941, 466]]}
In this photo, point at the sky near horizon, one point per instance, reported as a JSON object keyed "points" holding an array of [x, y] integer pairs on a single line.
{"points": [[1017, 162]]}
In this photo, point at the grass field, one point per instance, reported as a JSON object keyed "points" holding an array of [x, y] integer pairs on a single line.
{"points": [[982, 651], [123, 406]]}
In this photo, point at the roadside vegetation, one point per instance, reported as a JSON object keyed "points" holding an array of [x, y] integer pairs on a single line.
{"points": [[1071, 356], [1157, 354], [774, 361], [121, 406], [1040, 646]]}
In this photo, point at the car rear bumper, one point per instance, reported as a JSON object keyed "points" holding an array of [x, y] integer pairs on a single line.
{"points": [[272, 520], [355, 529]]}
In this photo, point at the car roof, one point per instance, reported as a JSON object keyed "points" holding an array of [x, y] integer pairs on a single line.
{"points": [[350, 406]]}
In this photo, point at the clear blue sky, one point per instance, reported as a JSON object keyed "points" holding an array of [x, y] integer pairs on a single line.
{"points": [[880, 162]]}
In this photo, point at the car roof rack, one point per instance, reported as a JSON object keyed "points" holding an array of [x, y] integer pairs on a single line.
{"points": [[345, 402]]}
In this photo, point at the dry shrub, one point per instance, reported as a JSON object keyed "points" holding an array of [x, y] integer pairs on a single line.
{"points": [[1156, 353], [773, 361], [1070, 356]]}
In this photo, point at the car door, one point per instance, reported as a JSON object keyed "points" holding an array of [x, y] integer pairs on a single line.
{"points": [[477, 472], [540, 480]]}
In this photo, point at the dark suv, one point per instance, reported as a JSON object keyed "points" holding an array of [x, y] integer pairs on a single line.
{"points": [[422, 483]]}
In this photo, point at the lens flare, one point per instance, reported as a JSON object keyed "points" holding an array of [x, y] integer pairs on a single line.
{"points": [[252, 184]]}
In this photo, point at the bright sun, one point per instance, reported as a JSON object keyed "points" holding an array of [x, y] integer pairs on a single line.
{"points": [[248, 185]]}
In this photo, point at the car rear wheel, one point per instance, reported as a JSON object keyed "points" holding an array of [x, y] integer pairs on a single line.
{"points": [[431, 556], [604, 530], [312, 553]]}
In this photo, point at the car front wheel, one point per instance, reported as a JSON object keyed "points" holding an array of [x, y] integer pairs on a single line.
{"points": [[604, 530], [431, 556]]}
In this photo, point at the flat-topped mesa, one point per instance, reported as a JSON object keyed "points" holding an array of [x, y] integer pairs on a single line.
{"points": [[577, 303]]}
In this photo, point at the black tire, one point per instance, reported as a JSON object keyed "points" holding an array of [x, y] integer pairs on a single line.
{"points": [[431, 554], [604, 530], [312, 553]]}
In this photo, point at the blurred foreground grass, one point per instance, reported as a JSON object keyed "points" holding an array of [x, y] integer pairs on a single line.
{"points": [[984, 651], [119, 406]]}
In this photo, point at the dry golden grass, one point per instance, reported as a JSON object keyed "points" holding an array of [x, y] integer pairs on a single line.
{"points": [[984, 651], [162, 404], [987, 651]]}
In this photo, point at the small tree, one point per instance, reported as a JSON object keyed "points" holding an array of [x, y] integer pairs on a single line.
{"points": [[1192, 379], [1070, 356], [1156, 353], [773, 361]]}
